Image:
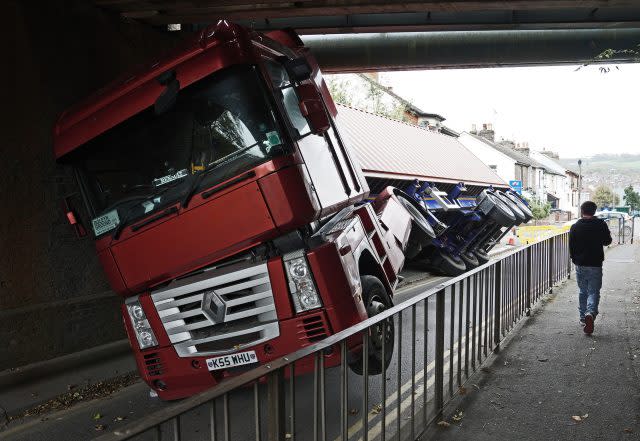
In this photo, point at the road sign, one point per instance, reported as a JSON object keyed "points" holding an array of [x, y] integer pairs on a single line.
{"points": [[516, 185]]}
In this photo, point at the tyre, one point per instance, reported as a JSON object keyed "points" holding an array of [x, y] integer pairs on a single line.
{"points": [[447, 264], [521, 204], [470, 260], [376, 300], [418, 214], [482, 256], [520, 217], [626, 232], [496, 209]]}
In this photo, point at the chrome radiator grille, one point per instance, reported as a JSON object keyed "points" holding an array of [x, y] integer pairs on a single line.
{"points": [[218, 311]]}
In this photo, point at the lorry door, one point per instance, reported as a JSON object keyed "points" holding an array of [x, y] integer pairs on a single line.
{"points": [[334, 175]]}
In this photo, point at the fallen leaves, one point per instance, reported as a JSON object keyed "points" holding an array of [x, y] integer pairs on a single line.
{"points": [[97, 416], [443, 424], [99, 427], [457, 417], [77, 394], [580, 418]]}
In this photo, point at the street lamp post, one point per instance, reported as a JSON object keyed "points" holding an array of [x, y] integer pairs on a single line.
{"points": [[579, 182]]}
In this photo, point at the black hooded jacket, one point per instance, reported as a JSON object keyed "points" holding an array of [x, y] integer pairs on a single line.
{"points": [[586, 239]]}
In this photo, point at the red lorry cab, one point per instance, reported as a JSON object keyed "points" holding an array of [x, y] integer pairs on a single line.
{"points": [[227, 208]]}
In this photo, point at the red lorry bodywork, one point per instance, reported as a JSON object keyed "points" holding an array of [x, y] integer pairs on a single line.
{"points": [[246, 223]]}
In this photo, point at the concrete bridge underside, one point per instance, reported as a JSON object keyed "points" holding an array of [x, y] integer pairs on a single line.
{"points": [[390, 35]]}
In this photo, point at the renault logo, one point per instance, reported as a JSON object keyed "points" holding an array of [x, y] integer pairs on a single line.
{"points": [[214, 307]]}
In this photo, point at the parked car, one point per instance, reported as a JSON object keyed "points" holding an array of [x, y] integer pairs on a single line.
{"points": [[613, 214]]}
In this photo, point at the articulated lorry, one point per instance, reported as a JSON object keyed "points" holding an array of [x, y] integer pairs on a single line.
{"points": [[230, 213]]}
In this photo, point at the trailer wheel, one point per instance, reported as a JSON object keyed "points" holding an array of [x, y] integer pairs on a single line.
{"points": [[520, 216], [523, 207], [418, 214], [496, 209], [470, 260], [447, 264], [482, 256], [376, 300]]}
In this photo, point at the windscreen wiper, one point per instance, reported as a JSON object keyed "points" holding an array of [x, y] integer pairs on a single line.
{"points": [[198, 179], [127, 214]]}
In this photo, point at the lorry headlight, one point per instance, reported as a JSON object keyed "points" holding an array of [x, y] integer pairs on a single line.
{"points": [[301, 286], [141, 327], [298, 269]]}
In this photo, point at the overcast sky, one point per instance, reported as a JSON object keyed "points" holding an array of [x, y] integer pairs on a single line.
{"points": [[576, 113]]}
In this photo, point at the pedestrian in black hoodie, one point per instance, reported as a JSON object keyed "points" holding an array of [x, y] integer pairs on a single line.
{"points": [[586, 239]]}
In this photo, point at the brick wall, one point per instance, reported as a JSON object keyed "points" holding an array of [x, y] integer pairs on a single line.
{"points": [[54, 298]]}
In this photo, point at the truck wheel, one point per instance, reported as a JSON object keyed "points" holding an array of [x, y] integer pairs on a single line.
{"points": [[447, 264], [376, 300], [470, 260], [520, 217], [482, 256]]}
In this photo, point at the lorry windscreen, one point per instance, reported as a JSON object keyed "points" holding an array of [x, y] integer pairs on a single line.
{"points": [[222, 125]]}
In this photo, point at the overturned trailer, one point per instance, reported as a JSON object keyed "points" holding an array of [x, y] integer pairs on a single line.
{"points": [[468, 206]]}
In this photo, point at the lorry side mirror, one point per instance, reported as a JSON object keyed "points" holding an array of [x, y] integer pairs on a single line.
{"points": [[169, 95], [298, 69], [312, 108]]}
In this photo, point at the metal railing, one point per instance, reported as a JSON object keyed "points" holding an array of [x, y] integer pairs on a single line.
{"points": [[442, 336]]}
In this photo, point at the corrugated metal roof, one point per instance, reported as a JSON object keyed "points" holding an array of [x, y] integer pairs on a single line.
{"points": [[390, 148]]}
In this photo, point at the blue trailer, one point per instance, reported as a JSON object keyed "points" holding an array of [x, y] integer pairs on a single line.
{"points": [[466, 227]]}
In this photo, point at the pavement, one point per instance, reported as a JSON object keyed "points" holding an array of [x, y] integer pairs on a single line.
{"points": [[551, 381]]}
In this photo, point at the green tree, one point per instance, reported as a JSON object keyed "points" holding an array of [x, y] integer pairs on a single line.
{"points": [[540, 210], [341, 91], [632, 198], [375, 99], [605, 197]]}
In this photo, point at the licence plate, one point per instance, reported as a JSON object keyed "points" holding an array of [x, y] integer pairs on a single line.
{"points": [[232, 360]]}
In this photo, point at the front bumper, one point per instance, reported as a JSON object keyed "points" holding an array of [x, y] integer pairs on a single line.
{"points": [[174, 377]]}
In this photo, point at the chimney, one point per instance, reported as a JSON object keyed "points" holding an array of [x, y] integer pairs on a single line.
{"points": [[508, 143], [523, 148], [473, 129], [550, 154], [487, 132]]}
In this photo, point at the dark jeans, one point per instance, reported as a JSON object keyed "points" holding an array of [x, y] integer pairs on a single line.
{"points": [[589, 282]]}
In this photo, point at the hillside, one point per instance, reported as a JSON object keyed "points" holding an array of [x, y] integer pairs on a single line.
{"points": [[615, 171]]}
